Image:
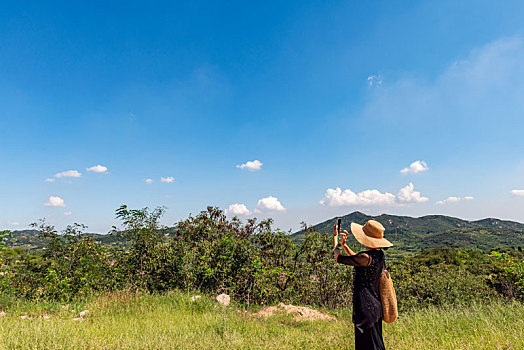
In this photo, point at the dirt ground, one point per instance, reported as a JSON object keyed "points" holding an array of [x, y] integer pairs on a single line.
{"points": [[300, 313]]}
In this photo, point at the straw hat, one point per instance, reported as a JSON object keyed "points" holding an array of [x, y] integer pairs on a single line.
{"points": [[371, 234]]}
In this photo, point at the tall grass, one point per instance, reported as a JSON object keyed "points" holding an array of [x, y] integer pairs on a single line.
{"points": [[173, 321]]}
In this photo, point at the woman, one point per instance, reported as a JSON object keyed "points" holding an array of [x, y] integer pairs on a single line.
{"points": [[367, 308]]}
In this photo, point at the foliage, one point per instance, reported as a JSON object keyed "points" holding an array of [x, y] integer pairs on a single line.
{"points": [[251, 261], [148, 253], [71, 265], [512, 278], [4, 235], [320, 280]]}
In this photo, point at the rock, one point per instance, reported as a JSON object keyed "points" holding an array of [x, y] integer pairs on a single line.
{"points": [[83, 313], [223, 299], [2, 313], [78, 319], [46, 317], [195, 297], [23, 317]]}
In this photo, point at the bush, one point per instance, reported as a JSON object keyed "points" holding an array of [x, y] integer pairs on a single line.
{"points": [[251, 261], [72, 265], [511, 280]]}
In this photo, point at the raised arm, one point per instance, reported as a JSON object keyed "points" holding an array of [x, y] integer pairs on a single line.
{"points": [[344, 245], [353, 259], [361, 259]]}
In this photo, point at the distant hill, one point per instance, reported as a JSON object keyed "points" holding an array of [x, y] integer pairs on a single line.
{"points": [[410, 234], [30, 240], [25, 239], [496, 223]]}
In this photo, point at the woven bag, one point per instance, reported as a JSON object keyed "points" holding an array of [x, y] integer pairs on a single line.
{"points": [[388, 298]]}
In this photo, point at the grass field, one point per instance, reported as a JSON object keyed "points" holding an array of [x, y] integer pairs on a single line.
{"points": [[173, 321]]}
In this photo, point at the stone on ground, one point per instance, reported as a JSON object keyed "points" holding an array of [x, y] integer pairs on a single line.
{"points": [[223, 299]]}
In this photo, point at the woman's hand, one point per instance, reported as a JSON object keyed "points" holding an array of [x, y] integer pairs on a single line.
{"points": [[343, 243], [344, 237]]}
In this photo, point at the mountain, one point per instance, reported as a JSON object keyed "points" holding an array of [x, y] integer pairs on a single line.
{"points": [[410, 234], [25, 239], [30, 240], [491, 222]]}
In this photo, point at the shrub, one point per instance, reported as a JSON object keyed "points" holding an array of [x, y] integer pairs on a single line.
{"points": [[251, 261], [511, 280]]}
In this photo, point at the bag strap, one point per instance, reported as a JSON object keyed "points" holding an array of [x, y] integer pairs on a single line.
{"points": [[386, 268]]}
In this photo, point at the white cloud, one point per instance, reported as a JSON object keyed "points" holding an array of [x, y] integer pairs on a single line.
{"points": [[269, 204], [449, 200], [337, 197], [408, 194], [517, 192], [68, 173], [49, 180], [97, 169], [13, 223], [374, 79], [67, 213], [168, 179], [251, 166], [415, 167], [454, 199], [55, 202], [238, 209], [148, 181]]}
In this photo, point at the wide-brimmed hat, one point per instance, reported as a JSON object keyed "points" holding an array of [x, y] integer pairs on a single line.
{"points": [[371, 234]]}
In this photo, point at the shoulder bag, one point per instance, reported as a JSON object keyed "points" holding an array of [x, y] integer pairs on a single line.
{"points": [[388, 297]]}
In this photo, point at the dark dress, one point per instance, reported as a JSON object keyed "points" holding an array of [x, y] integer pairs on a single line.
{"points": [[367, 308]]}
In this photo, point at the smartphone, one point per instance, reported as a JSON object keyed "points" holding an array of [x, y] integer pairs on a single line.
{"points": [[339, 223]]}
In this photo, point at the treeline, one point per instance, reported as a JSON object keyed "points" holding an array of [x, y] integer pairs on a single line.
{"points": [[251, 261]]}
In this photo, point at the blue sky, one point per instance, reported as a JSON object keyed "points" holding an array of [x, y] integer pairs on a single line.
{"points": [[333, 100]]}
